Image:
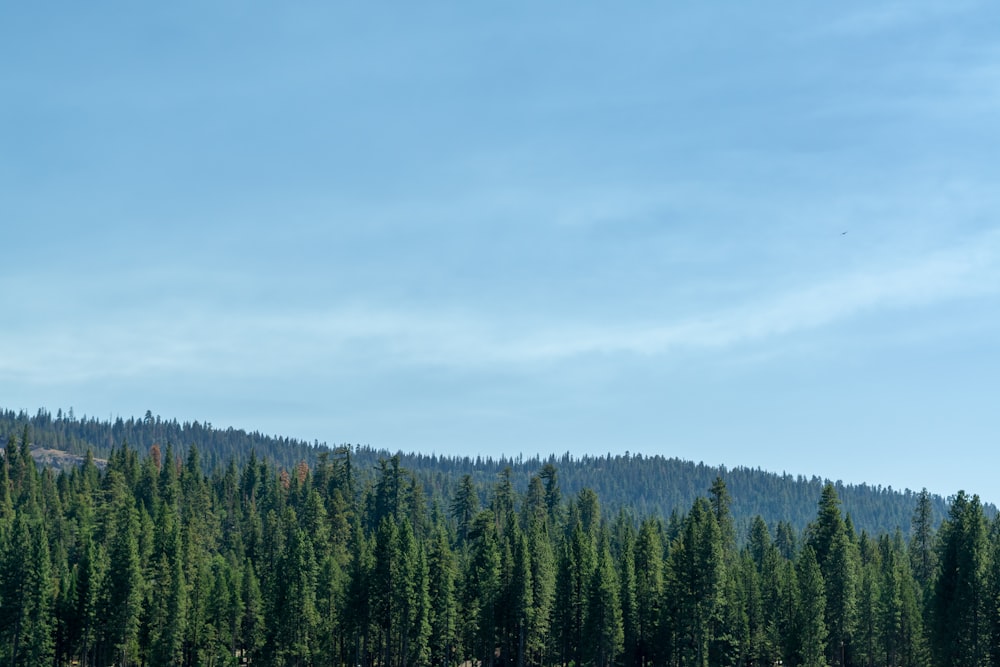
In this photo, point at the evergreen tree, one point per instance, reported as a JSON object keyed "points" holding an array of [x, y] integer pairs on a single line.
{"points": [[786, 605], [553, 493], [361, 608], [832, 544], [959, 612], [413, 600], [563, 633], [481, 591], [252, 625], [168, 593], [295, 618], [785, 540], [330, 601], [28, 594], [443, 616], [83, 619], [464, 506], [812, 632], [122, 594], [758, 649], [721, 500], [648, 590], [922, 553], [582, 563], [520, 598], [869, 649], [154, 561], [625, 543], [543, 586], [696, 572], [604, 636]]}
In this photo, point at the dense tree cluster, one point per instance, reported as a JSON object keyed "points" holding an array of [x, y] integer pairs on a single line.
{"points": [[151, 561], [67, 432], [646, 485]]}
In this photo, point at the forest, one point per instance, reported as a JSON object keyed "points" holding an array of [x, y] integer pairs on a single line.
{"points": [[151, 560], [644, 485]]}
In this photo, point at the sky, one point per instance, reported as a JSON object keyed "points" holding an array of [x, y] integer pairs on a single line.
{"points": [[752, 234]]}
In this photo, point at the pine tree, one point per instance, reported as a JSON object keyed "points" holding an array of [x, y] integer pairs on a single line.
{"points": [[785, 606], [553, 493], [520, 597], [582, 563], [464, 506], [83, 619], [563, 634], [295, 616], [28, 593], [252, 625], [812, 632], [122, 593], [960, 617], [696, 572], [922, 553], [543, 587], [648, 590], [869, 648], [391, 499], [604, 636], [758, 649], [730, 631], [835, 552], [625, 538], [225, 610], [168, 593], [721, 500], [6, 501], [361, 609], [785, 540], [443, 616], [330, 594], [481, 591], [413, 599]]}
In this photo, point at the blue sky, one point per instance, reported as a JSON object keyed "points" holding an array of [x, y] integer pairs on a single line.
{"points": [[472, 228]]}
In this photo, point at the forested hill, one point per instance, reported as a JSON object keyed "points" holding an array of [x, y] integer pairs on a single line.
{"points": [[645, 485], [216, 447], [657, 485]]}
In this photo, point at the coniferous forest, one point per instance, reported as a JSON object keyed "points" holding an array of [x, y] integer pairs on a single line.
{"points": [[643, 485], [149, 560]]}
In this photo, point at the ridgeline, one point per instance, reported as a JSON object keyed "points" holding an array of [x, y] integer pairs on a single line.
{"points": [[642, 485]]}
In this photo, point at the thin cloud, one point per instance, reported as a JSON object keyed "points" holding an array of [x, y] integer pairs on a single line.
{"points": [[969, 271], [474, 340], [382, 338]]}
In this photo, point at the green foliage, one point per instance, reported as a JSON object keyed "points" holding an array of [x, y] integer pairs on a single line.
{"points": [[960, 608], [152, 560], [695, 575], [811, 622], [646, 485]]}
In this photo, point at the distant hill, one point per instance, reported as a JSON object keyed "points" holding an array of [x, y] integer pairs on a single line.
{"points": [[68, 433], [642, 485]]}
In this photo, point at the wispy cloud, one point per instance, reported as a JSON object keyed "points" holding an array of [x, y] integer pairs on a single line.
{"points": [[968, 271], [149, 344]]}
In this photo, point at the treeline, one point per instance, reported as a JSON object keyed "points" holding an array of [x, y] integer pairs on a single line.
{"points": [[151, 561], [659, 486], [646, 485], [65, 431]]}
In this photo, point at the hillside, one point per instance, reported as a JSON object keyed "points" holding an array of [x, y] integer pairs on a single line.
{"points": [[645, 485], [148, 561]]}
